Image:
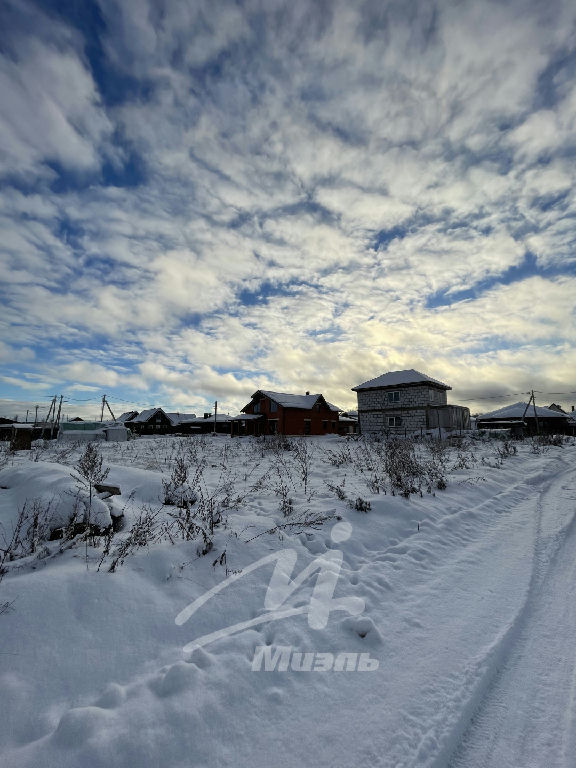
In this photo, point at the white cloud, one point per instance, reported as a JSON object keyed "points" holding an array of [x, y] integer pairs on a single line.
{"points": [[276, 142]]}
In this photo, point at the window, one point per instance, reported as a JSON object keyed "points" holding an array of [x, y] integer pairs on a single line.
{"points": [[325, 426], [273, 426], [394, 421], [256, 408], [273, 406], [307, 426], [394, 397], [333, 426]]}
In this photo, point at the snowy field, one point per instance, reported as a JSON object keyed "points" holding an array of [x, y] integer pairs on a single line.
{"points": [[434, 625]]}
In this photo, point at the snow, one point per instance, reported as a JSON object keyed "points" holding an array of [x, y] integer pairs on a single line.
{"points": [[397, 378], [470, 612], [518, 410], [306, 402], [58, 489], [143, 417]]}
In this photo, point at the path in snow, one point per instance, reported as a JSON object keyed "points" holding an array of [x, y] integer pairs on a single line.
{"points": [[528, 717]]}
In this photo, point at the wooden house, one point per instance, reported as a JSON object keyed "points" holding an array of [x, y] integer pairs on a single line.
{"points": [[150, 422]]}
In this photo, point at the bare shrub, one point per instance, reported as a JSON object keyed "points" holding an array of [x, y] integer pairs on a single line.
{"points": [[506, 449], [338, 490], [177, 490], [404, 470], [303, 456], [91, 470], [339, 457], [144, 531], [361, 505]]}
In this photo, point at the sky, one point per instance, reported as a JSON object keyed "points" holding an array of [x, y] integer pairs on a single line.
{"points": [[201, 199]]}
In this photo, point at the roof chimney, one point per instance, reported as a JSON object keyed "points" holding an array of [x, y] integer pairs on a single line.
{"points": [[309, 393]]}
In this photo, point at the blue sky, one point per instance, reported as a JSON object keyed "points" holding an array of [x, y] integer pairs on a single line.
{"points": [[201, 199]]}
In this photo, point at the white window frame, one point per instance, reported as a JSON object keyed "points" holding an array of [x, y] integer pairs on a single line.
{"points": [[394, 396], [394, 421]]}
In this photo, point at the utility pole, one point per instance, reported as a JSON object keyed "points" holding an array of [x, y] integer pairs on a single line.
{"points": [[535, 414], [533, 401], [50, 416], [215, 415], [59, 412], [36, 416], [107, 404]]}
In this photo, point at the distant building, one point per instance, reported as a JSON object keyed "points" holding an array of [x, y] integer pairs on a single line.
{"points": [[206, 424], [270, 413], [89, 431], [407, 401], [152, 421], [521, 419], [155, 421], [348, 423]]}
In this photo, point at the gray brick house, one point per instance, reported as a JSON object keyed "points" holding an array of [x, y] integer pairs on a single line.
{"points": [[407, 401]]}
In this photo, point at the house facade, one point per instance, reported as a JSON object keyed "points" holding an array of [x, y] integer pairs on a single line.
{"points": [[285, 414], [407, 401]]}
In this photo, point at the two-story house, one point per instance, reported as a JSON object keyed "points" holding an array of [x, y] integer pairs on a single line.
{"points": [[277, 412], [407, 401]]}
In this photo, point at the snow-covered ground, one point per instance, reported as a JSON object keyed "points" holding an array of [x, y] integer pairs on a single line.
{"points": [[463, 654]]}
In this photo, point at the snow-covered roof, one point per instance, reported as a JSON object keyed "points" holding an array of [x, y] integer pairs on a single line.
{"points": [[145, 415], [128, 416], [181, 418], [305, 402], [247, 417], [202, 420], [398, 378], [516, 411]]}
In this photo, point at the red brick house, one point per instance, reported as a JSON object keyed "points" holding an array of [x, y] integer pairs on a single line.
{"points": [[272, 413]]}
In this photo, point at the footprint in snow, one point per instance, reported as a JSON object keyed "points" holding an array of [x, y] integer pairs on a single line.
{"points": [[364, 628], [78, 725], [112, 697], [179, 677]]}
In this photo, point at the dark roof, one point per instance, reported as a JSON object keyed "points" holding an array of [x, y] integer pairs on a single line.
{"points": [[302, 402]]}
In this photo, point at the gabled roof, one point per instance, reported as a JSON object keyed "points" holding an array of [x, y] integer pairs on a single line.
{"points": [[303, 402], [398, 378], [516, 411], [128, 416], [146, 415]]}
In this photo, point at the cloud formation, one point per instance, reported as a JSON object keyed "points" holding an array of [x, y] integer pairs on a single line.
{"points": [[200, 199]]}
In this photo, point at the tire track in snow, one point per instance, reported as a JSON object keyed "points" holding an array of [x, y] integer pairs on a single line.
{"points": [[526, 717], [432, 737]]}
